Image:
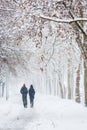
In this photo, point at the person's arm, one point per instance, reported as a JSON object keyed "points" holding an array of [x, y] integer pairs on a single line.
{"points": [[21, 91], [34, 92]]}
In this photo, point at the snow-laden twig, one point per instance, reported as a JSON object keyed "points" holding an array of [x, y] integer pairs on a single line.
{"points": [[15, 49], [63, 20]]}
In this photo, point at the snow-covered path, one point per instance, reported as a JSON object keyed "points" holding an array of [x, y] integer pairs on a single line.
{"points": [[49, 113]]}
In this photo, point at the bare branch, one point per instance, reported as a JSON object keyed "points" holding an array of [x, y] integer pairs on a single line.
{"points": [[77, 21], [63, 20]]}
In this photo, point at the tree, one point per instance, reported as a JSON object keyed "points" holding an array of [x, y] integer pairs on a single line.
{"points": [[79, 23]]}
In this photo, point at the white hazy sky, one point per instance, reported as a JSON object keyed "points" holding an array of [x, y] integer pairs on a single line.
{"points": [[49, 113]]}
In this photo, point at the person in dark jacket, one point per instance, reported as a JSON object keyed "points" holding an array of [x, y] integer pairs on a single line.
{"points": [[24, 92], [31, 95]]}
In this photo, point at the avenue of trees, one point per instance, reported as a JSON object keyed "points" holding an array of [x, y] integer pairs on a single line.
{"points": [[45, 41]]}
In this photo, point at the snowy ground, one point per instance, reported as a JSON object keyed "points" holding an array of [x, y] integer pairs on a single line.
{"points": [[49, 113]]}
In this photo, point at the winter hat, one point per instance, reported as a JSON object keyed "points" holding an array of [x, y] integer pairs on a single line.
{"points": [[24, 84]]}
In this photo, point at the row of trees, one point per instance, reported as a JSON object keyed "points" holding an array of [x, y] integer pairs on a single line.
{"points": [[38, 41]]}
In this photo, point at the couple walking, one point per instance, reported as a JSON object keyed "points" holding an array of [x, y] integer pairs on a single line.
{"points": [[24, 91]]}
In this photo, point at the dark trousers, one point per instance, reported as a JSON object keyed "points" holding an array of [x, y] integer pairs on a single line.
{"points": [[24, 99], [31, 102]]}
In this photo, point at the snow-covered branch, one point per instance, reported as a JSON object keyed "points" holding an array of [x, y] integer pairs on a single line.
{"points": [[63, 20]]}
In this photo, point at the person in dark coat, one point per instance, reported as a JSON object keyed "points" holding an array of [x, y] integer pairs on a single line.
{"points": [[24, 92], [31, 95]]}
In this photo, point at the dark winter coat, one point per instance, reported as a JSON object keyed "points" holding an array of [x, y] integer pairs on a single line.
{"points": [[31, 92], [24, 92]]}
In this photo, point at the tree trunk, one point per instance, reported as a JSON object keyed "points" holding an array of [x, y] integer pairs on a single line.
{"points": [[3, 87], [0, 89], [77, 91], [69, 85], [7, 79], [85, 83], [85, 69]]}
